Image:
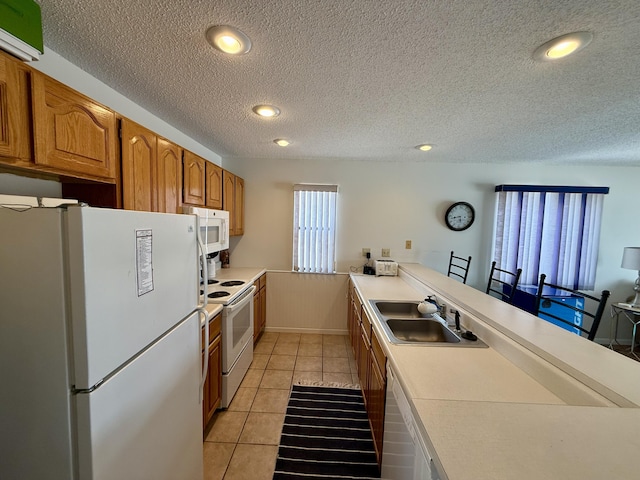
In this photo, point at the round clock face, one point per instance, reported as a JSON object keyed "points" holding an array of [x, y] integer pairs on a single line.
{"points": [[459, 216]]}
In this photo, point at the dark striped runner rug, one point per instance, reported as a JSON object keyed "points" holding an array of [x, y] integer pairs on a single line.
{"points": [[326, 435]]}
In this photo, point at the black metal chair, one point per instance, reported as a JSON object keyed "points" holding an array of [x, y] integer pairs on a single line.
{"points": [[459, 267], [589, 304], [507, 287]]}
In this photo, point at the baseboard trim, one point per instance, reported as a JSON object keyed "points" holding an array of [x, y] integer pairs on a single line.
{"points": [[331, 331]]}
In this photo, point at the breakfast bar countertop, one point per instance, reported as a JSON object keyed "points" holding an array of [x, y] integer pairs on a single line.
{"points": [[518, 409]]}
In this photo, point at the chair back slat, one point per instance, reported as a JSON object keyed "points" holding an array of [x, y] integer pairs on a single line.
{"points": [[596, 316], [459, 267], [511, 282]]}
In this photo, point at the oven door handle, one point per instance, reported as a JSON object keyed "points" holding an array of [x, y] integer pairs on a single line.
{"points": [[242, 300]]}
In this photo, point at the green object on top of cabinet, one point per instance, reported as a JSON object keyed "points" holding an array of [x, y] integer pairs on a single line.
{"points": [[21, 19]]}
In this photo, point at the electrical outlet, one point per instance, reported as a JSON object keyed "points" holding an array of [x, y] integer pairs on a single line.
{"points": [[407, 244], [386, 252], [365, 251]]}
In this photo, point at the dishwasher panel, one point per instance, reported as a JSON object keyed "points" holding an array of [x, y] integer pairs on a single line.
{"points": [[403, 455]]}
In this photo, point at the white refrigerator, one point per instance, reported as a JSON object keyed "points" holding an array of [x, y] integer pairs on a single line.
{"points": [[100, 358]]}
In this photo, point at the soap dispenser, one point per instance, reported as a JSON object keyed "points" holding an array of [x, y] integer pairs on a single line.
{"points": [[428, 306]]}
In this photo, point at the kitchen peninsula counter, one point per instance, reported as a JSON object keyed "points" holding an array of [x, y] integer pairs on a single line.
{"points": [[539, 403]]}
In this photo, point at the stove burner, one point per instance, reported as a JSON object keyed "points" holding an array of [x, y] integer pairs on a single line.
{"points": [[232, 283], [210, 282], [218, 294]]}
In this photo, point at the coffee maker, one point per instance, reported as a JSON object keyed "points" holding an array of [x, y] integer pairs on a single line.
{"points": [[212, 265]]}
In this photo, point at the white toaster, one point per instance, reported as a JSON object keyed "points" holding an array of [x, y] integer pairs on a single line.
{"points": [[386, 267]]}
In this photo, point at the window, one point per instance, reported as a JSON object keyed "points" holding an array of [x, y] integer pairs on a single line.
{"points": [[314, 228], [550, 230]]}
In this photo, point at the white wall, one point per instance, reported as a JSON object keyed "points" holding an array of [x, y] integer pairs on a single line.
{"points": [[380, 205]]}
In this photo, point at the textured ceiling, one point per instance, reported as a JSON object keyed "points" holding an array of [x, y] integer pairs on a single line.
{"points": [[371, 79]]}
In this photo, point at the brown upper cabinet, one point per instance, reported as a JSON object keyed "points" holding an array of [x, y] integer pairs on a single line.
{"points": [[151, 170], [169, 177], [194, 179], [238, 206], [233, 201], [53, 131], [139, 152], [214, 186], [74, 135], [15, 112]]}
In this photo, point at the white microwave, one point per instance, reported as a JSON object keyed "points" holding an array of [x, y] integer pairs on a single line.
{"points": [[214, 227]]}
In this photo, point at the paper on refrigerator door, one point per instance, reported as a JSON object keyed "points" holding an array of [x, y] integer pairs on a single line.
{"points": [[144, 261]]}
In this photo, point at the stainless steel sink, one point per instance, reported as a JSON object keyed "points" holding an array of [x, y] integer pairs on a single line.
{"points": [[425, 330], [398, 309], [402, 323]]}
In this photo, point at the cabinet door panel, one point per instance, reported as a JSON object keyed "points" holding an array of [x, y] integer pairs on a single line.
{"points": [[263, 308], [214, 185], [15, 110], [363, 360], [194, 179], [375, 406], [138, 169], [256, 316], [72, 133], [169, 178], [228, 198], [238, 205], [214, 376]]}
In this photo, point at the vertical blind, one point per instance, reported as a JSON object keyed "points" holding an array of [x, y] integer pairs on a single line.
{"points": [[314, 228], [550, 230]]}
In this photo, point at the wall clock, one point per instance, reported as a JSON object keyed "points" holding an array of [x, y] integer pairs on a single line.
{"points": [[459, 216]]}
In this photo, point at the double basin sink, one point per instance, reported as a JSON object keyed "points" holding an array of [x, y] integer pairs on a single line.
{"points": [[404, 324]]}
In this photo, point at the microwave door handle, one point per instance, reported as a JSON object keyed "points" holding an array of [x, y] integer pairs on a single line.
{"points": [[225, 229]]}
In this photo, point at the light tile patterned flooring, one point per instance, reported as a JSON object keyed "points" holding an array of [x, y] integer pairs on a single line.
{"points": [[242, 442]]}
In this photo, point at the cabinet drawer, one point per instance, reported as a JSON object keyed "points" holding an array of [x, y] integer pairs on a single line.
{"points": [[215, 325], [263, 280], [358, 304]]}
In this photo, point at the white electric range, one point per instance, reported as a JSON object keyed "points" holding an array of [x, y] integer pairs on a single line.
{"points": [[235, 294], [224, 292]]}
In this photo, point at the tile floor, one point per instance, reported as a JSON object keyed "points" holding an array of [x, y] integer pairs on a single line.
{"points": [[242, 442]]}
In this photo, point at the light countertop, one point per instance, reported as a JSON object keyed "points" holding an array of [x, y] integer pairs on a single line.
{"points": [[515, 409], [246, 274]]}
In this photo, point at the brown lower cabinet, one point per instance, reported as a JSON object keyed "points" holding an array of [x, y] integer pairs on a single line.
{"points": [[377, 383], [259, 307], [213, 381], [372, 363]]}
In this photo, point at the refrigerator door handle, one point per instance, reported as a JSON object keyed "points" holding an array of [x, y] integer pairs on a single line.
{"points": [[202, 312], [202, 302]]}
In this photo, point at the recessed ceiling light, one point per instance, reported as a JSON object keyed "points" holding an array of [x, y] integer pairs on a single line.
{"points": [[562, 46], [281, 141], [266, 110], [228, 39], [425, 147]]}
